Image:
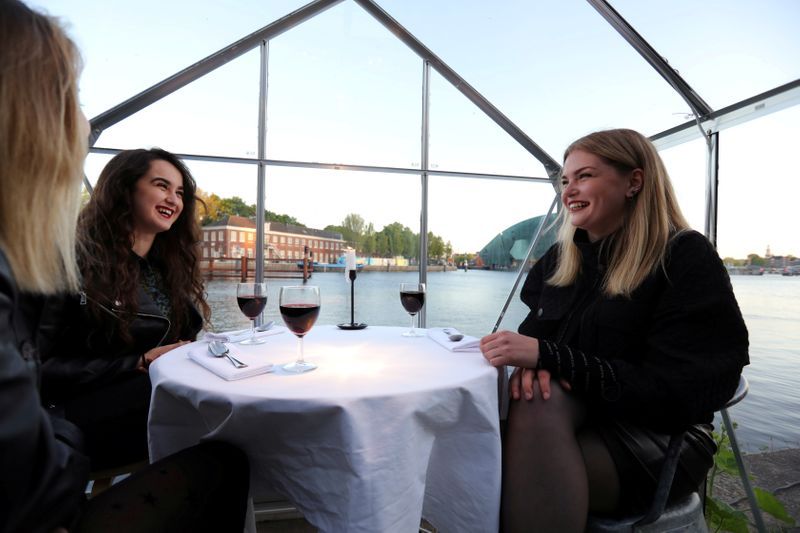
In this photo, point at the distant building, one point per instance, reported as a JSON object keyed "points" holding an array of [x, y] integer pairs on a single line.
{"points": [[235, 236], [511, 245]]}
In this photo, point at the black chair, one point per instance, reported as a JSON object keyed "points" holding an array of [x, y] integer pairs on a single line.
{"points": [[102, 479], [685, 515]]}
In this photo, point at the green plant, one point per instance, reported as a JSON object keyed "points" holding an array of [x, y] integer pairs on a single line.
{"points": [[723, 517]]}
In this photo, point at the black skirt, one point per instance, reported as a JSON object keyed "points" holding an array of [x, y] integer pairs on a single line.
{"points": [[639, 453]]}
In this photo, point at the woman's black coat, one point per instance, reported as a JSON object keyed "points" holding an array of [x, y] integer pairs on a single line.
{"points": [[89, 354], [42, 472], [667, 357]]}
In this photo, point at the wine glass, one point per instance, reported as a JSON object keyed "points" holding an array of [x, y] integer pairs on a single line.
{"points": [[252, 299], [412, 296], [299, 308]]}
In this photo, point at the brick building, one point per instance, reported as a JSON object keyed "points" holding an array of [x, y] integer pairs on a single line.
{"points": [[235, 237]]}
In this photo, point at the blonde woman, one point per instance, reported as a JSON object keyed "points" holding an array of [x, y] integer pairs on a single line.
{"points": [[633, 316], [44, 473]]}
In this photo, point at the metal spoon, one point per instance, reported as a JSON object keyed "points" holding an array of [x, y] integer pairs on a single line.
{"points": [[219, 349], [454, 337], [265, 326]]}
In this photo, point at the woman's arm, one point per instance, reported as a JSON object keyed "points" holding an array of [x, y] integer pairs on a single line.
{"points": [[693, 352], [42, 481]]}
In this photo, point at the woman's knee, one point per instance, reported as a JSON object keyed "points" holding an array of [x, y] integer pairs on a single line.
{"points": [[559, 409]]}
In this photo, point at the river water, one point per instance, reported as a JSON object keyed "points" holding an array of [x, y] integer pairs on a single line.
{"points": [[768, 419]]}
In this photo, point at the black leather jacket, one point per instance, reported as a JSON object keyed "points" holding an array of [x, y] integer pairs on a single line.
{"points": [[88, 354], [42, 473]]}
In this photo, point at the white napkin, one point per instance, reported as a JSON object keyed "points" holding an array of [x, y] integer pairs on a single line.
{"points": [[241, 334], [222, 367], [467, 344]]}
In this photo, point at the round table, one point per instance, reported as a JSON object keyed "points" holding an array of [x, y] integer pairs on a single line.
{"points": [[386, 430]]}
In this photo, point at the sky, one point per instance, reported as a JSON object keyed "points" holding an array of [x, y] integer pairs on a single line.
{"points": [[342, 89]]}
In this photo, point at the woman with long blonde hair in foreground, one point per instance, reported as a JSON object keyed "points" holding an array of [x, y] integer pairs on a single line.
{"points": [[44, 473]]}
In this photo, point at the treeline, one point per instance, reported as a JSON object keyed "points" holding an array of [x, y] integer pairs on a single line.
{"points": [[393, 240], [218, 208], [753, 259]]}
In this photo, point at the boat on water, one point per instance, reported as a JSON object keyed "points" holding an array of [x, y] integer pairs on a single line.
{"points": [[330, 75], [328, 266], [791, 271], [750, 270]]}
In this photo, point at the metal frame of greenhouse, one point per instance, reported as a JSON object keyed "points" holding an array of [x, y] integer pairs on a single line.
{"points": [[706, 123]]}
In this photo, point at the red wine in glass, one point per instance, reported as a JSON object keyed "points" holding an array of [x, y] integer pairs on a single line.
{"points": [[252, 299], [299, 318], [299, 307], [412, 301], [251, 305], [412, 297]]}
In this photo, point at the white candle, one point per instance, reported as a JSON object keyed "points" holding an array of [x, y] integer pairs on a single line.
{"points": [[350, 259]]}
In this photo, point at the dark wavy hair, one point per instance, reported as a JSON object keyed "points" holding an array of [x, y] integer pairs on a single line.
{"points": [[109, 268]]}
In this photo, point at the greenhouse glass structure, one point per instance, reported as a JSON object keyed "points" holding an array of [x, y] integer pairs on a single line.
{"points": [[451, 117]]}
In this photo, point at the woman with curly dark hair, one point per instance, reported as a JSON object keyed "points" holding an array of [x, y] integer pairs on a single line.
{"points": [[141, 294]]}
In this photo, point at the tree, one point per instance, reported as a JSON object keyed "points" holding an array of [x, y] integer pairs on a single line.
{"points": [[435, 246], [755, 259], [368, 243], [269, 216], [347, 234], [411, 249], [382, 244], [236, 206], [212, 204], [354, 223], [397, 239], [218, 208]]}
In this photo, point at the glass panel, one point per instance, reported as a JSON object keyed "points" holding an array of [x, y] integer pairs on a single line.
{"points": [[130, 46], [217, 114], [93, 165], [686, 164], [727, 51], [344, 90], [554, 67], [463, 138], [757, 190], [388, 208], [468, 214]]}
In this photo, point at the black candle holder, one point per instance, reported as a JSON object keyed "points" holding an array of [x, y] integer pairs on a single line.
{"points": [[352, 324]]}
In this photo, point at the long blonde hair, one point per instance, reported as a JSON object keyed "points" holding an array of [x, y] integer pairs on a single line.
{"points": [[42, 149], [651, 217]]}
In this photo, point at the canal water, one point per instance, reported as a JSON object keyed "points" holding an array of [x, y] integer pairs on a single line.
{"points": [[768, 419]]}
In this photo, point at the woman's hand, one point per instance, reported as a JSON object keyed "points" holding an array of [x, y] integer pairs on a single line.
{"points": [[521, 383], [151, 355], [509, 348]]}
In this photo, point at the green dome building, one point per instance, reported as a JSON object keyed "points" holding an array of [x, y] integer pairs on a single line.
{"points": [[509, 247]]}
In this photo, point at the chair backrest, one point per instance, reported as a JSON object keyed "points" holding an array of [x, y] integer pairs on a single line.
{"points": [[681, 514], [741, 392]]}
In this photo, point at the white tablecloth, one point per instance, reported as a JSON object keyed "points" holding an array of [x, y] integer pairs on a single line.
{"points": [[386, 430]]}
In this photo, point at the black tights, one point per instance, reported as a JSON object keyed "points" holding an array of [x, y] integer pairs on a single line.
{"points": [[554, 472], [202, 488], [113, 419]]}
